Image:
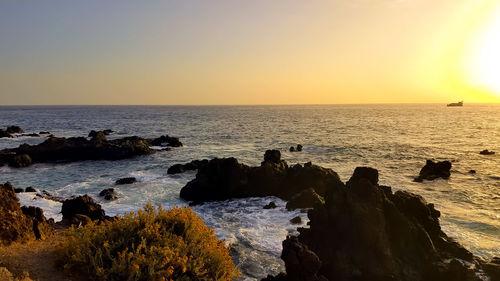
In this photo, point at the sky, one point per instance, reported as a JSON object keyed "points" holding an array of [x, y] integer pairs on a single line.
{"points": [[248, 52]]}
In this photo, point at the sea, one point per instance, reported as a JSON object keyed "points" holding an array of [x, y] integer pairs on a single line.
{"points": [[396, 139]]}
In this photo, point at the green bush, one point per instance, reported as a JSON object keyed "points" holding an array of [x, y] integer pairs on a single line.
{"points": [[153, 244]]}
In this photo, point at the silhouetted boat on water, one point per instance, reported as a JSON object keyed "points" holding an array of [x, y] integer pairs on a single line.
{"points": [[460, 103]]}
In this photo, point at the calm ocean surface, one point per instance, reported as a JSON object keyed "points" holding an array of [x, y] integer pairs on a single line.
{"points": [[395, 139]]}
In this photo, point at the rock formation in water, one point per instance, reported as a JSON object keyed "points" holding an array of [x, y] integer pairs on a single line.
{"points": [[181, 168], [56, 149], [225, 178], [486, 152], [364, 231], [19, 224], [128, 180], [433, 170], [75, 209]]}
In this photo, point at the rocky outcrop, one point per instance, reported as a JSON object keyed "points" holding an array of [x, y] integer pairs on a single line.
{"points": [[108, 194], [486, 152], [19, 224], [305, 199], [433, 170], [128, 180], [225, 178], [181, 168], [21, 160], [14, 130], [294, 149], [270, 205], [56, 149], [106, 132], [82, 205], [364, 231], [7, 133], [166, 141]]}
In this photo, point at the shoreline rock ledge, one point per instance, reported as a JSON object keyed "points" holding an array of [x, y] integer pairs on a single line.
{"points": [[225, 178], [73, 149], [357, 231], [364, 231]]}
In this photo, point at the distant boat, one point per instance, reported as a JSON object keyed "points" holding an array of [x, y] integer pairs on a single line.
{"points": [[460, 103]]}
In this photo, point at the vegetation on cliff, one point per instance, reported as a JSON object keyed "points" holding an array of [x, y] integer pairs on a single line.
{"points": [[151, 244]]}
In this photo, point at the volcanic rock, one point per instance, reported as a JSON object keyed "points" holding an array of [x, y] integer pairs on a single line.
{"points": [[225, 178], [271, 205], [366, 232], [82, 205], [181, 168], [56, 149], [108, 194], [305, 199], [433, 170], [486, 152], [166, 141], [296, 220], [128, 180], [19, 224], [14, 130]]}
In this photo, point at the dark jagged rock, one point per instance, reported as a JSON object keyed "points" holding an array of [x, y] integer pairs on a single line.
{"points": [[94, 133], [367, 173], [18, 190], [166, 141], [108, 194], [271, 205], [129, 180], [486, 152], [492, 268], [14, 130], [44, 133], [30, 189], [301, 263], [366, 232], [433, 170], [472, 171], [5, 134], [56, 149], [225, 178], [20, 161], [294, 149], [296, 220], [19, 224], [305, 199], [82, 205], [272, 156], [181, 168]]}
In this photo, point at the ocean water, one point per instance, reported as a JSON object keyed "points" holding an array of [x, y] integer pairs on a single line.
{"points": [[395, 139]]}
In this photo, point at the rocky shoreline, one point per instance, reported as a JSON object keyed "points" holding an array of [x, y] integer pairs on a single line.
{"points": [[95, 147], [358, 230]]}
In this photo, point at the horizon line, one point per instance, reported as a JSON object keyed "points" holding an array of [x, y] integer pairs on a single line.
{"points": [[270, 104]]}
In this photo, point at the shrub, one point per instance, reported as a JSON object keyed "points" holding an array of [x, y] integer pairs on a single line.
{"points": [[152, 244]]}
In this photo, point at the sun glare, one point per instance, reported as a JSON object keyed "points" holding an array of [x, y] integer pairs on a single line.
{"points": [[483, 61]]}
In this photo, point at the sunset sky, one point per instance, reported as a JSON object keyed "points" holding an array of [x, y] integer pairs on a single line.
{"points": [[249, 52]]}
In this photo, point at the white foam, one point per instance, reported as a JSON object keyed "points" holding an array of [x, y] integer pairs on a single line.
{"points": [[51, 209]]}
